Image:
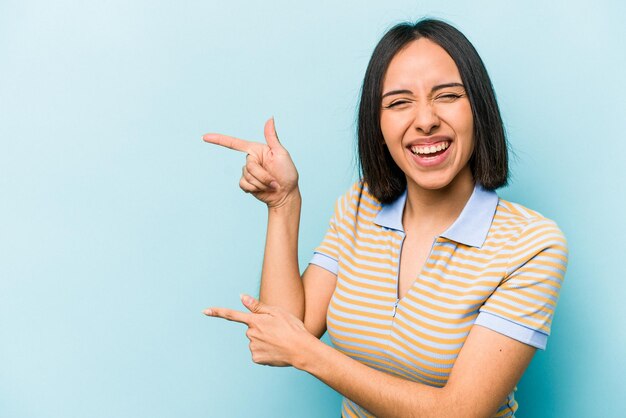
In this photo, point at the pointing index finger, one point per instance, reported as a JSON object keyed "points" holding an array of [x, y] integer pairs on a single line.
{"points": [[229, 314], [229, 142]]}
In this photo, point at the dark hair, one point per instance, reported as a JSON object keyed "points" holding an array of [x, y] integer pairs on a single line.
{"points": [[489, 161]]}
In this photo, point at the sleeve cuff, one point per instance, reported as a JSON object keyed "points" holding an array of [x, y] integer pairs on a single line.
{"points": [[325, 262], [513, 330]]}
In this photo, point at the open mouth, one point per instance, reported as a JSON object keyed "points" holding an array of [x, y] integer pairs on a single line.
{"points": [[430, 150]]}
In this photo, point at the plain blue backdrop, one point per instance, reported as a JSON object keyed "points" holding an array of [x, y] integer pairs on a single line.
{"points": [[118, 225]]}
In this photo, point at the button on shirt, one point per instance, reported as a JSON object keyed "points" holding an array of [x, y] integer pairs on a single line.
{"points": [[499, 265]]}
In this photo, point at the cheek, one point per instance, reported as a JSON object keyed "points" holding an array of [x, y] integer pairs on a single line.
{"points": [[466, 130], [462, 122], [466, 120], [458, 117], [386, 127], [469, 134], [392, 126]]}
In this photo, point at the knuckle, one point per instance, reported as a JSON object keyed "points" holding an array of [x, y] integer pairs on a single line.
{"points": [[248, 176], [253, 165]]}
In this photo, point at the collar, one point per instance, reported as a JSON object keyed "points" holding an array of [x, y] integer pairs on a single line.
{"points": [[470, 228]]}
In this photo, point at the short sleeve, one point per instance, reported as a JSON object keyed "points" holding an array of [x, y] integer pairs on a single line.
{"points": [[523, 305], [326, 255]]}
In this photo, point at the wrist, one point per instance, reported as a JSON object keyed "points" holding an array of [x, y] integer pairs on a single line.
{"points": [[309, 354], [292, 201]]}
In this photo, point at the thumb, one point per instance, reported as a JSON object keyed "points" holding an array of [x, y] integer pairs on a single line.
{"points": [[254, 305], [270, 134]]}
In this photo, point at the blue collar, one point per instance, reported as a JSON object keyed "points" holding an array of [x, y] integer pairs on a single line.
{"points": [[470, 228]]}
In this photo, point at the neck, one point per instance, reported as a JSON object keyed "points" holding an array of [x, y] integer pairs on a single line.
{"points": [[435, 210]]}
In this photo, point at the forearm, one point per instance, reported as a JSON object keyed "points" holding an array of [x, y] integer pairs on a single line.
{"points": [[380, 393], [280, 278]]}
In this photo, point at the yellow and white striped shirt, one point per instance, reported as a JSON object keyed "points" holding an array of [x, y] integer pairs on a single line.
{"points": [[499, 265]]}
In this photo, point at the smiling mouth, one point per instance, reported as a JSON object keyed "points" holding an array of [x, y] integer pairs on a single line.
{"points": [[430, 150]]}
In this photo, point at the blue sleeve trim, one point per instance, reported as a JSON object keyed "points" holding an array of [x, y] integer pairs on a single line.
{"points": [[511, 329], [325, 262]]}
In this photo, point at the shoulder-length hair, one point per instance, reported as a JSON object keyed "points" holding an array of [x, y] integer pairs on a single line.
{"points": [[489, 161]]}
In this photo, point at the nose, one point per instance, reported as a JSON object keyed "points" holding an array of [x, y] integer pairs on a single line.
{"points": [[425, 118]]}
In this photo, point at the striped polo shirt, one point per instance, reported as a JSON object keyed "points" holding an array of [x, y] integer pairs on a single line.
{"points": [[499, 265]]}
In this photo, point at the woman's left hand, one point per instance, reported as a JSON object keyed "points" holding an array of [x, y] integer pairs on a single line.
{"points": [[277, 338]]}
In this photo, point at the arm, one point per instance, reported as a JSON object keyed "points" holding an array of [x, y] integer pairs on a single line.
{"points": [[308, 297], [281, 285], [486, 370], [270, 175], [280, 278]]}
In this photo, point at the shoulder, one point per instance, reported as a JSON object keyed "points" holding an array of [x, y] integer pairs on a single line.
{"points": [[357, 201], [359, 192], [529, 232], [524, 220]]}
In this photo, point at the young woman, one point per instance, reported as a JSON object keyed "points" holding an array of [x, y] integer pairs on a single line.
{"points": [[435, 293]]}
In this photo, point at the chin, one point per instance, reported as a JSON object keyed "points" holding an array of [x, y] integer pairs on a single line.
{"points": [[431, 184]]}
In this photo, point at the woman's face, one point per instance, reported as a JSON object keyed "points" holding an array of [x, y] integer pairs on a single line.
{"points": [[426, 118]]}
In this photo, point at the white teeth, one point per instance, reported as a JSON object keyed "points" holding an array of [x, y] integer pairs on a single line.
{"points": [[430, 149]]}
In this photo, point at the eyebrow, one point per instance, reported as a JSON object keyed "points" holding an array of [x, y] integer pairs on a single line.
{"points": [[435, 88]]}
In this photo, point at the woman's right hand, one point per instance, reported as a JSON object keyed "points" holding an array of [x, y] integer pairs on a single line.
{"points": [[269, 173]]}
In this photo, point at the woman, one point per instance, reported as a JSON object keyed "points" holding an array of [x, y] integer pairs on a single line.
{"points": [[435, 293]]}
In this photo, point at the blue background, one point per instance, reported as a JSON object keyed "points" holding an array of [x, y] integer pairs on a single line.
{"points": [[118, 225]]}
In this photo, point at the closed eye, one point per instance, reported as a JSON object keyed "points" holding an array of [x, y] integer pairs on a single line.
{"points": [[396, 104], [448, 97]]}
